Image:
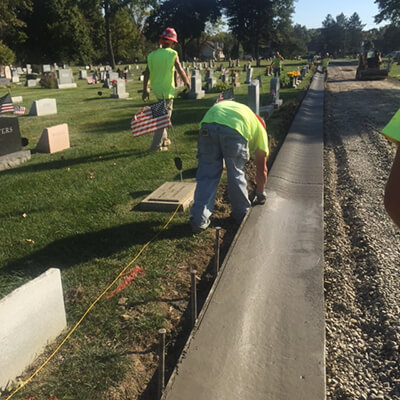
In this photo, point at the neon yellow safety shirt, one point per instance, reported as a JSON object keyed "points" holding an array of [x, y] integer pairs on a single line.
{"points": [[241, 118], [276, 62], [325, 62], [161, 66]]}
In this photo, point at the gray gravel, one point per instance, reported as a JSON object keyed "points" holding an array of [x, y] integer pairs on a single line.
{"points": [[362, 245]]}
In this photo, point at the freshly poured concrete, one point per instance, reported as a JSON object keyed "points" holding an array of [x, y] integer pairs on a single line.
{"points": [[30, 317], [261, 335]]}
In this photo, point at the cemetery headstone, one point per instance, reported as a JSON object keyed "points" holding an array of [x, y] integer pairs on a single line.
{"points": [[235, 79], [11, 153], [46, 68], [253, 94], [43, 107], [249, 75], [119, 90], [28, 68], [65, 79], [54, 139], [31, 82], [14, 76], [32, 316], [83, 74], [7, 72], [196, 91], [16, 99], [274, 92]]}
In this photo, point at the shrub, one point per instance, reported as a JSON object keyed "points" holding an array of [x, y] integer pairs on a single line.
{"points": [[220, 87], [7, 56], [48, 80]]}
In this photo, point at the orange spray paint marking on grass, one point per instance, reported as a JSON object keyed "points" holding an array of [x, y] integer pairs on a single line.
{"points": [[130, 276]]}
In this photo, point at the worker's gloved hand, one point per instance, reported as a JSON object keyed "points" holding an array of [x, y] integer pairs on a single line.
{"points": [[260, 198]]}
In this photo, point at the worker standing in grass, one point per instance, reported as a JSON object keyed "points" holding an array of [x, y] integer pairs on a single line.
{"points": [[392, 191], [277, 64], [161, 65], [229, 130]]}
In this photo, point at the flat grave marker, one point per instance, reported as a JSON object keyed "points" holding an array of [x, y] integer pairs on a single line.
{"points": [[169, 196]]}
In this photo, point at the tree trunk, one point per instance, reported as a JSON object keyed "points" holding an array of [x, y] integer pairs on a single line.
{"points": [[110, 51]]}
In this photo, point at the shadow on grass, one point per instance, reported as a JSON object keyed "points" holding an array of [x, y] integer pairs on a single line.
{"points": [[107, 126], [77, 249], [69, 162]]}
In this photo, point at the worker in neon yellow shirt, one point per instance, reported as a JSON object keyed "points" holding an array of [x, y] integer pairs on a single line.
{"points": [[325, 63], [277, 64], [392, 190], [161, 66], [229, 131]]}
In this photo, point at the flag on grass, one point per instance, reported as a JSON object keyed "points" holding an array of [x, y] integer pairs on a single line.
{"points": [[19, 110], [150, 119], [6, 104], [225, 95]]}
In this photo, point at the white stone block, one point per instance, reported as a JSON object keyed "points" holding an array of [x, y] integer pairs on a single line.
{"points": [[31, 317], [43, 107]]}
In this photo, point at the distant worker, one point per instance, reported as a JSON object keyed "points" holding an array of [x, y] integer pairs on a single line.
{"points": [[161, 65], [392, 191], [277, 64], [229, 130], [325, 62]]}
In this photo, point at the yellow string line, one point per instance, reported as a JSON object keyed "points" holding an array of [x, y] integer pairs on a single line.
{"points": [[92, 305]]}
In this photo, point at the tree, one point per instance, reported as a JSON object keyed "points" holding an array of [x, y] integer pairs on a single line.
{"points": [[187, 17], [12, 23], [256, 23], [58, 31], [354, 33], [389, 10]]}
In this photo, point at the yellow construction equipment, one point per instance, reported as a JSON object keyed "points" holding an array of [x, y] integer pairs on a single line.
{"points": [[371, 66]]}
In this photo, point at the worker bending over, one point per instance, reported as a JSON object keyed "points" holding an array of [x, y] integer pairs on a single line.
{"points": [[229, 130]]}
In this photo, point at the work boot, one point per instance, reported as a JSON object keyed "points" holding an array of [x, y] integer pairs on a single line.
{"points": [[166, 142]]}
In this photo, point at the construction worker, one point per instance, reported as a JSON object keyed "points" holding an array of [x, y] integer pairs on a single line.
{"points": [[325, 62], [229, 130], [277, 64], [392, 191], [161, 65]]}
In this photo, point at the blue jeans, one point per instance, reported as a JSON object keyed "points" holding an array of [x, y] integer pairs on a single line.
{"points": [[218, 142]]}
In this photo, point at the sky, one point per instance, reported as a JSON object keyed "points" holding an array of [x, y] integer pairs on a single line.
{"points": [[311, 13]]}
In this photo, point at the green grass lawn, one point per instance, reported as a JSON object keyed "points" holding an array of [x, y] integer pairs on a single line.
{"points": [[395, 70], [77, 210]]}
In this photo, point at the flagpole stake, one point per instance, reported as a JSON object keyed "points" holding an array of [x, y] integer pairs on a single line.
{"points": [[161, 368], [217, 248], [194, 296]]}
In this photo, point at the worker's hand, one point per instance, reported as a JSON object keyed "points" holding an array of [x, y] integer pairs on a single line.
{"points": [[145, 95], [260, 198]]}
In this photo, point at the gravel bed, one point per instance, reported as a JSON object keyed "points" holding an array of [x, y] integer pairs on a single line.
{"points": [[362, 245]]}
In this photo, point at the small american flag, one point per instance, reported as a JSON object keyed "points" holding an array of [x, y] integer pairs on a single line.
{"points": [[19, 110], [225, 95], [150, 119], [6, 104]]}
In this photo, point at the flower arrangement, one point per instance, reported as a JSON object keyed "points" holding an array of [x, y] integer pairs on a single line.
{"points": [[293, 74]]}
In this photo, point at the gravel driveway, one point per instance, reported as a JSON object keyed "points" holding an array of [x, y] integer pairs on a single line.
{"points": [[362, 245]]}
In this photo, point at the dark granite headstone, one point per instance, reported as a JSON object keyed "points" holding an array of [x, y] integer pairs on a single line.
{"points": [[10, 137]]}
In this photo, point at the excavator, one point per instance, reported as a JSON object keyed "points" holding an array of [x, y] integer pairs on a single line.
{"points": [[371, 66]]}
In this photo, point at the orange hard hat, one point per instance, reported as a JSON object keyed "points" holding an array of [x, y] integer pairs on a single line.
{"points": [[277, 53], [169, 34]]}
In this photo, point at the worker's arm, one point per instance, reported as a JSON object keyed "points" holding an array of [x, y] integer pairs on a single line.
{"points": [[146, 75], [392, 191], [181, 72], [261, 176]]}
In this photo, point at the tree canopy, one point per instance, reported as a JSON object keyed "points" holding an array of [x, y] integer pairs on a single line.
{"points": [[389, 10]]}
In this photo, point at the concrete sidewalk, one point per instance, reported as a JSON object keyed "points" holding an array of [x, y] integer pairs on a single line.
{"points": [[261, 334]]}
